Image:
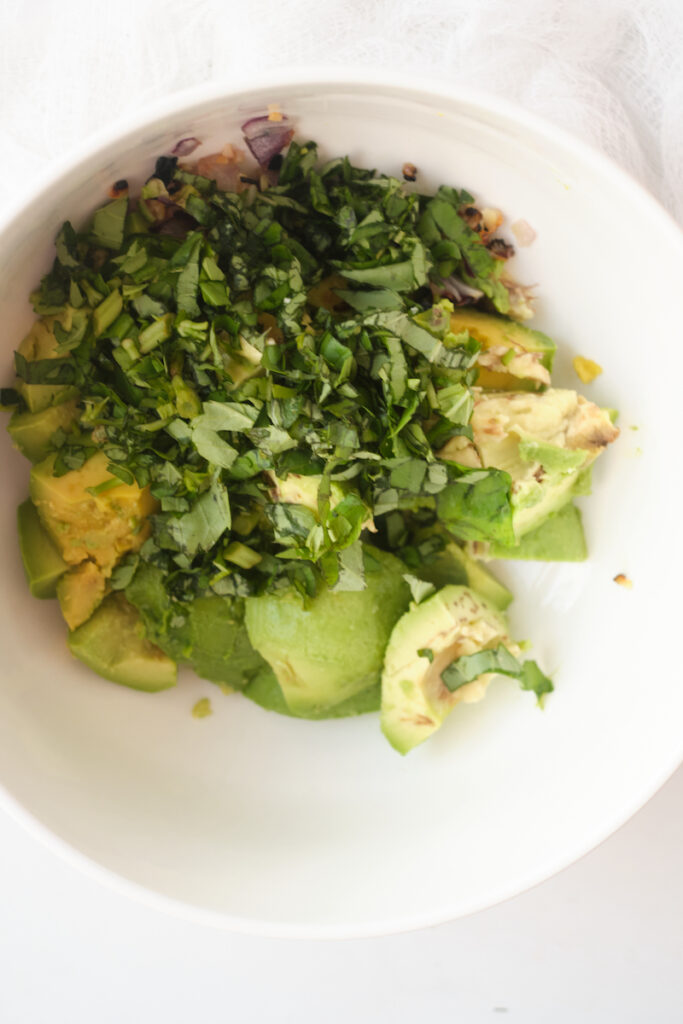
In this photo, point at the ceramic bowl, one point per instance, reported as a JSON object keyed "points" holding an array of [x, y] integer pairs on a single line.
{"points": [[285, 827]]}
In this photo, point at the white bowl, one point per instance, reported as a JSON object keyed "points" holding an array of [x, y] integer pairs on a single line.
{"points": [[276, 826]]}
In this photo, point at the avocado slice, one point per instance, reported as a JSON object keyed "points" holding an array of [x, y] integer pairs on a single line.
{"points": [[103, 525], [453, 565], [559, 539], [297, 489], [327, 651], [112, 644], [80, 591], [31, 432], [206, 633], [265, 691], [41, 343], [512, 355], [43, 563], [453, 622], [546, 442]]}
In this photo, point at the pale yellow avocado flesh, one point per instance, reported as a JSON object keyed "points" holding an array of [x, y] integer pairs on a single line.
{"points": [[512, 355], [453, 622], [40, 343], [102, 526], [544, 441], [80, 591]]}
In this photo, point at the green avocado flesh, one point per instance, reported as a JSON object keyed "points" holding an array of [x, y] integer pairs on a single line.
{"points": [[265, 691], [43, 563], [558, 539], [453, 622], [545, 442], [207, 633], [333, 649], [453, 565], [31, 431], [41, 343], [112, 644]]}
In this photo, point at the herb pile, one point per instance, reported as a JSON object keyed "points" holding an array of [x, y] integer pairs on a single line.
{"points": [[294, 328]]}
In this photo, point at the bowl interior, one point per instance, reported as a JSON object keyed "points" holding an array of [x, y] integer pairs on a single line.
{"points": [[320, 828]]}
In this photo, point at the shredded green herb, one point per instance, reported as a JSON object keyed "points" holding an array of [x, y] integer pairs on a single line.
{"points": [[209, 368], [501, 662]]}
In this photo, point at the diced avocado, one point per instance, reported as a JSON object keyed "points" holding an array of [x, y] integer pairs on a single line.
{"points": [[80, 591], [41, 343], [207, 633], [453, 565], [112, 644], [453, 622], [265, 691], [332, 649], [559, 539], [103, 525], [43, 563], [31, 431], [296, 489], [511, 353], [546, 442]]}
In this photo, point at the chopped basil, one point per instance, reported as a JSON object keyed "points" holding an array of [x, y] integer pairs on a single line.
{"points": [[207, 367], [499, 661]]}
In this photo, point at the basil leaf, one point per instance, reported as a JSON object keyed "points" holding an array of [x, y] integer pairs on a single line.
{"points": [[477, 506], [501, 662], [109, 222], [206, 522]]}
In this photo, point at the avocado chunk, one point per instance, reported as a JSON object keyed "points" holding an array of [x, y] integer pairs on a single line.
{"points": [[265, 691], [41, 343], [512, 355], [206, 633], [453, 565], [327, 651], [546, 442], [559, 539], [31, 432], [80, 591], [43, 563], [101, 526], [453, 622], [297, 489], [112, 644]]}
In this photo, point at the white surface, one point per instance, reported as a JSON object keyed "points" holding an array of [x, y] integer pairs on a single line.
{"points": [[295, 828], [602, 941]]}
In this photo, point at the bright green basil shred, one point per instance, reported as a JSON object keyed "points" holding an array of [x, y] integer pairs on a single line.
{"points": [[207, 371]]}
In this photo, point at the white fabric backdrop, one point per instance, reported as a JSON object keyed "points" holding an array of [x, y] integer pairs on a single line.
{"points": [[601, 942], [608, 70]]}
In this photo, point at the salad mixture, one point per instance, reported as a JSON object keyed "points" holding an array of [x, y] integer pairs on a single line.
{"points": [[281, 412]]}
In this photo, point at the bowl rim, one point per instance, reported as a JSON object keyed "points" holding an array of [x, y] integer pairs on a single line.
{"points": [[431, 90]]}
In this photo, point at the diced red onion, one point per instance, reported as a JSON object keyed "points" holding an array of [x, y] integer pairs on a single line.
{"points": [[523, 232], [265, 138], [186, 146], [455, 289]]}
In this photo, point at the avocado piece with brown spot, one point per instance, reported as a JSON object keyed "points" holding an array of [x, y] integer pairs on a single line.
{"points": [[424, 642]]}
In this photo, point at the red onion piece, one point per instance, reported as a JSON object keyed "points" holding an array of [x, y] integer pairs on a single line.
{"points": [[186, 146], [265, 138], [453, 288], [523, 232]]}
